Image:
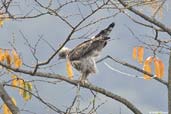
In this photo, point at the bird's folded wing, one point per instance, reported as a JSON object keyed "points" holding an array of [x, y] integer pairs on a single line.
{"points": [[86, 49]]}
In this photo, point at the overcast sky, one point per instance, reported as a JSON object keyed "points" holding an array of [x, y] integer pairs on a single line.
{"points": [[146, 95]]}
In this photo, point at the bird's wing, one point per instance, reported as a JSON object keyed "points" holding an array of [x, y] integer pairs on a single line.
{"points": [[87, 48]]}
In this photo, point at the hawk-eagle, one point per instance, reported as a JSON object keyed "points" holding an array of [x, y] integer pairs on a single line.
{"points": [[82, 57]]}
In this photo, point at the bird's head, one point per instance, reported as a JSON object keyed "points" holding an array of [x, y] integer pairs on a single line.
{"points": [[63, 52]]}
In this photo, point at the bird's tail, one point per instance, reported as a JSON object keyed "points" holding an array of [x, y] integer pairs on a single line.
{"points": [[106, 32]]}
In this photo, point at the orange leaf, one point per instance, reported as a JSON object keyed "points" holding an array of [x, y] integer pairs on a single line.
{"points": [[134, 53], [21, 84], [5, 109], [18, 63], [149, 60], [17, 60], [161, 64], [15, 80], [159, 68], [7, 57], [147, 67], [140, 54], [15, 55], [1, 56], [69, 68], [3, 18]]}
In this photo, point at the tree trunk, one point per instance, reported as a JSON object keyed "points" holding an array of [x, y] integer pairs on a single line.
{"points": [[169, 86]]}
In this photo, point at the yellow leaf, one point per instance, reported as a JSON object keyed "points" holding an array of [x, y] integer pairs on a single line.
{"points": [[17, 60], [140, 54], [1, 23], [30, 89], [134, 53], [18, 63], [21, 84], [7, 57], [3, 18], [14, 101], [27, 95], [15, 80], [15, 55], [5, 109], [69, 68], [1, 56]]}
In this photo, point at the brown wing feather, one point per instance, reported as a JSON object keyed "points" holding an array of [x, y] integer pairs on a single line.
{"points": [[87, 48]]}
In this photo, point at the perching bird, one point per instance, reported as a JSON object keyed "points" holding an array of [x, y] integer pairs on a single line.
{"points": [[82, 57]]}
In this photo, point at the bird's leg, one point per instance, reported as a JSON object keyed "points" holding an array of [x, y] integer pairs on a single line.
{"points": [[83, 79]]}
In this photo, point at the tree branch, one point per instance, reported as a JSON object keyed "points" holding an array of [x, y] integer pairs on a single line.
{"points": [[134, 67], [151, 20], [7, 100], [76, 82], [169, 85]]}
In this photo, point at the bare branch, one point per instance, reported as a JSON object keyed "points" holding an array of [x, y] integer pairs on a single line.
{"points": [[151, 20], [135, 68]]}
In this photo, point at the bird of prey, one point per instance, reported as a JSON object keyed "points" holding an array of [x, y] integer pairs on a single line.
{"points": [[82, 57]]}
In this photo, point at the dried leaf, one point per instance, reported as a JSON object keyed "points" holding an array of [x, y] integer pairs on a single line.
{"points": [[161, 64], [30, 87], [18, 63], [69, 68], [14, 101], [1, 23], [140, 54], [156, 67], [149, 60], [27, 95], [17, 60], [1, 56], [7, 57], [134, 53], [159, 68], [147, 67], [14, 80], [15, 55], [3, 18], [5, 109], [21, 84]]}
